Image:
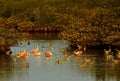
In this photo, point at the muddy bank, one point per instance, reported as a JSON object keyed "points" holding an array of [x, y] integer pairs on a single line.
{"points": [[4, 48]]}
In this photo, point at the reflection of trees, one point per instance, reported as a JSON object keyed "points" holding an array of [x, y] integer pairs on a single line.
{"points": [[101, 70], [5, 67], [106, 71], [4, 61], [44, 36], [10, 69]]}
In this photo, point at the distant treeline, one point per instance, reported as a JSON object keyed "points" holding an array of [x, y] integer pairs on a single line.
{"points": [[81, 21]]}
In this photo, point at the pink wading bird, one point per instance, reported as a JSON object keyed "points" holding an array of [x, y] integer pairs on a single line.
{"points": [[78, 53], [35, 51], [48, 54]]}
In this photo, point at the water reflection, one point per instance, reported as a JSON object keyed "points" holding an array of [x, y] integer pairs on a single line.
{"points": [[43, 36], [49, 68], [9, 70]]}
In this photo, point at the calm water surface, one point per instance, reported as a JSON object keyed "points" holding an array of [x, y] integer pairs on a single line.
{"points": [[40, 68]]}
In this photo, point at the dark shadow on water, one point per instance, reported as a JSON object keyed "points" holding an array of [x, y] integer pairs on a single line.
{"points": [[43, 36]]}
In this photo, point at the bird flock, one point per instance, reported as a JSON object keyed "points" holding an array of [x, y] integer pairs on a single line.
{"points": [[79, 55], [110, 57], [66, 55]]}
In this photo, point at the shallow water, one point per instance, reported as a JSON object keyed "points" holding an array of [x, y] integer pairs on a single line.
{"points": [[40, 68]]}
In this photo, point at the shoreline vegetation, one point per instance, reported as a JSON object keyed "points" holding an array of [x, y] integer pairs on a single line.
{"points": [[81, 22]]}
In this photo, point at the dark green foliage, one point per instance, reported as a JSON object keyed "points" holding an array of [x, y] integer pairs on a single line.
{"points": [[83, 21]]}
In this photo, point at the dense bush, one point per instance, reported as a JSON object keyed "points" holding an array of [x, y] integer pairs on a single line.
{"points": [[99, 25], [83, 21]]}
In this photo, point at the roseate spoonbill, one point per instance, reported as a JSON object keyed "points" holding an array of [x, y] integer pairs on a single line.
{"points": [[34, 51], [37, 53], [48, 54], [78, 53]]}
